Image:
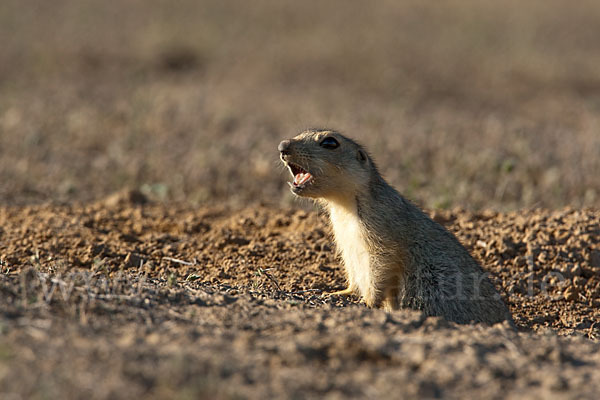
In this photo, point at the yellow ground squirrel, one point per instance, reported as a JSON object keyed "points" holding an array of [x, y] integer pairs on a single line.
{"points": [[394, 255]]}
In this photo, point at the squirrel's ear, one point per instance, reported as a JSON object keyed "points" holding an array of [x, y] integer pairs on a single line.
{"points": [[361, 156]]}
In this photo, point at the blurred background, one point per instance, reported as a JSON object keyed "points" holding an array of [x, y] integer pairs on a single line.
{"points": [[463, 103]]}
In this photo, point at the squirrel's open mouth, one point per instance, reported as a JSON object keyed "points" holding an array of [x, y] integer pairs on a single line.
{"points": [[301, 176]]}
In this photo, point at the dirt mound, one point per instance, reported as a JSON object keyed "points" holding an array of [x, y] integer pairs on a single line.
{"points": [[166, 300], [546, 263]]}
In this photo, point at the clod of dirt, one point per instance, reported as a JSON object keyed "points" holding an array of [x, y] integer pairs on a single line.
{"points": [[178, 59]]}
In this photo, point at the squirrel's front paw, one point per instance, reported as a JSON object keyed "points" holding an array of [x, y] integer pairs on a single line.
{"points": [[345, 292]]}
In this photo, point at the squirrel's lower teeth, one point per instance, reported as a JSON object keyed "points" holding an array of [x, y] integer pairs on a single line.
{"points": [[299, 179], [305, 178]]}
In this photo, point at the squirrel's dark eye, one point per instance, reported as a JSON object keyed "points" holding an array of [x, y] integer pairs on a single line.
{"points": [[329, 143]]}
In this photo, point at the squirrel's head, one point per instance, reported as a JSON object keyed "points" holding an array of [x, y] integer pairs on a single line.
{"points": [[325, 164]]}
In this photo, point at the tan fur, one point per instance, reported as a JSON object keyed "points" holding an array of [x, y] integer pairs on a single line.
{"points": [[347, 229], [394, 255]]}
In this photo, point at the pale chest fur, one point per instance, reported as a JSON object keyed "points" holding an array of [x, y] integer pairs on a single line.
{"points": [[352, 247]]}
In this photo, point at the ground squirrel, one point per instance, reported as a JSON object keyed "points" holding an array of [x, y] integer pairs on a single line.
{"points": [[394, 255]]}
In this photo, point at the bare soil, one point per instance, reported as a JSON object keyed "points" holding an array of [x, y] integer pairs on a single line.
{"points": [[125, 298], [473, 104]]}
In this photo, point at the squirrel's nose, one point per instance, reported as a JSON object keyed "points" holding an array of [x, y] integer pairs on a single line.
{"points": [[284, 147]]}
